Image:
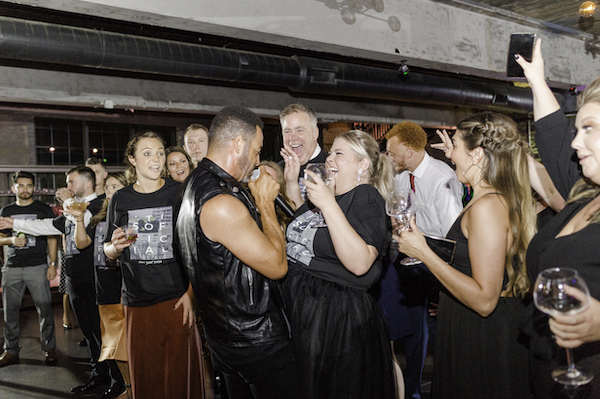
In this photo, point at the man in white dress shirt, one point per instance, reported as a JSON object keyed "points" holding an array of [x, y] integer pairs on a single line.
{"points": [[440, 195]]}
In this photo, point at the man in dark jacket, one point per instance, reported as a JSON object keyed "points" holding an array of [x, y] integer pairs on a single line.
{"points": [[232, 262]]}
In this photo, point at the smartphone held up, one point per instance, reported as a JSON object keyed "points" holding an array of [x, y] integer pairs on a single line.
{"points": [[522, 44]]}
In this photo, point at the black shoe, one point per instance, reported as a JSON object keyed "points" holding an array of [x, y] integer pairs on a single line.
{"points": [[114, 391], [83, 342], [8, 358], [90, 386], [51, 357]]}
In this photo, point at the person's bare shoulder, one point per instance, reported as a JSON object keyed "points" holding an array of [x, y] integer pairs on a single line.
{"points": [[222, 214]]}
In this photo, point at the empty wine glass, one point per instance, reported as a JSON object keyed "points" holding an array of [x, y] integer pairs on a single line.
{"points": [[562, 290], [402, 204], [320, 169]]}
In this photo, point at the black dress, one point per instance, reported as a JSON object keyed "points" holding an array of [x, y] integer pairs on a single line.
{"points": [[579, 251], [339, 332], [478, 357]]}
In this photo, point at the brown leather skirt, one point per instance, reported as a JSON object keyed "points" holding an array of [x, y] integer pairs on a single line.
{"points": [[165, 358]]}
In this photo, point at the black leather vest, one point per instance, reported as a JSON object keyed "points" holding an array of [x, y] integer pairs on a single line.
{"points": [[238, 306]]}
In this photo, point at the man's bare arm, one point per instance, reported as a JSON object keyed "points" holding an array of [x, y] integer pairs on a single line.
{"points": [[226, 220]]}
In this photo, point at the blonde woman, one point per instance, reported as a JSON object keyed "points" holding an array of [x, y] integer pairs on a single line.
{"points": [[338, 330]]}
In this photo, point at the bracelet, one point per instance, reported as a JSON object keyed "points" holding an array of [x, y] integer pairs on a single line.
{"points": [[52, 263], [79, 220]]}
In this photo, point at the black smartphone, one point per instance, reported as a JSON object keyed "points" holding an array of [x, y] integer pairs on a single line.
{"points": [[520, 43]]}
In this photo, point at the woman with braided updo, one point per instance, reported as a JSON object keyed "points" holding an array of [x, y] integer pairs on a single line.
{"points": [[477, 352]]}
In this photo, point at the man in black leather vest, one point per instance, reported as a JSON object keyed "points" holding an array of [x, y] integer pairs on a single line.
{"points": [[232, 263]]}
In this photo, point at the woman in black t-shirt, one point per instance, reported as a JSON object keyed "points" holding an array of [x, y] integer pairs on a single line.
{"points": [[338, 330], [107, 273], [163, 343]]}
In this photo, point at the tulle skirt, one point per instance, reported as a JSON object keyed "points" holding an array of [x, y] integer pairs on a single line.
{"points": [[341, 339]]}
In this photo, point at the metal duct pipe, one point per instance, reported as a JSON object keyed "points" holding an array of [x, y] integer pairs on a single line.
{"points": [[58, 44]]}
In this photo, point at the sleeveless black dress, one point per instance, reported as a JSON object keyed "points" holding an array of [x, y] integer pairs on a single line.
{"points": [[478, 357]]}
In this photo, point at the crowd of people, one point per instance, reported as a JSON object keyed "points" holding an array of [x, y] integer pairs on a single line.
{"points": [[188, 248]]}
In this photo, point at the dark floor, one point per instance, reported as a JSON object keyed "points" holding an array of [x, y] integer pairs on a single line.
{"points": [[31, 378]]}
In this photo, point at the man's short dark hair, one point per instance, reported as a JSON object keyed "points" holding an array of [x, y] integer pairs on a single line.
{"points": [[233, 121], [84, 171], [94, 161], [22, 175]]}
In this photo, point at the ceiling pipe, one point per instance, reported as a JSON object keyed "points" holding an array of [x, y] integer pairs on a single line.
{"points": [[66, 45]]}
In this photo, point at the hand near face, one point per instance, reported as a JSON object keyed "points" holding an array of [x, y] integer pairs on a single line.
{"points": [[446, 144], [264, 189], [291, 170], [62, 194], [319, 193]]}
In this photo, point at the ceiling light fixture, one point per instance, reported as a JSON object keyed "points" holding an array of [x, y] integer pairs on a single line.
{"points": [[587, 9]]}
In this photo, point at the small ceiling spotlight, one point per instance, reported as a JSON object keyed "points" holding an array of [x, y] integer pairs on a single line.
{"points": [[587, 9], [403, 68], [51, 149], [95, 150]]}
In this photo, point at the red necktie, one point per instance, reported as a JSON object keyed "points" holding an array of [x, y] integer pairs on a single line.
{"points": [[412, 182]]}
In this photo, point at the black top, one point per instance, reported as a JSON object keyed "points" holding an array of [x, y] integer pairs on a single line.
{"points": [[553, 137], [151, 269], [311, 248], [34, 252], [237, 304], [80, 263], [109, 279]]}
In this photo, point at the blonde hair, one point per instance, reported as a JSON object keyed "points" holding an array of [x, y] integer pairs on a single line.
{"points": [[505, 169], [380, 167], [585, 189]]}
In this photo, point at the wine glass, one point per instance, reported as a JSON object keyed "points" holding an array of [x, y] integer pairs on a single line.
{"points": [[555, 292], [320, 169], [402, 204]]}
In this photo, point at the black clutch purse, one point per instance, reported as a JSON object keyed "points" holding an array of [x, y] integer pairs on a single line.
{"points": [[443, 247]]}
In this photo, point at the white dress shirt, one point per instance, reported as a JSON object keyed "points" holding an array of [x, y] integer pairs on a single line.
{"points": [[439, 192]]}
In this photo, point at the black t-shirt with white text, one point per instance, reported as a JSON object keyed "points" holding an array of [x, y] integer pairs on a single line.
{"points": [[34, 253], [151, 269]]}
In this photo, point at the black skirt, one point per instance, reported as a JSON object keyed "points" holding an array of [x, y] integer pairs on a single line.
{"points": [[341, 339]]}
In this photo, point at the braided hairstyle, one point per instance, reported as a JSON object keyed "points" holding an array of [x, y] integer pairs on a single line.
{"points": [[380, 167], [505, 169]]}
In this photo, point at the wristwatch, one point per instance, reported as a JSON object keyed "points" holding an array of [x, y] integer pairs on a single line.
{"points": [[52, 263]]}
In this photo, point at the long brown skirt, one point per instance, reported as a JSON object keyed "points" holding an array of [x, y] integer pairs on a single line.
{"points": [[114, 335], [165, 359]]}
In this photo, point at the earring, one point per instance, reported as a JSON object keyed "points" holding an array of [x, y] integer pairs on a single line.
{"points": [[467, 179], [359, 177]]}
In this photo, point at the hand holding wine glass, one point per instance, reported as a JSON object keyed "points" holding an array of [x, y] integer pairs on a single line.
{"points": [[402, 204], [321, 172], [562, 291]]}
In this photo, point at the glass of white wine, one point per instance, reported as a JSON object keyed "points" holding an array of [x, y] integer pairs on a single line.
{"points": [[554, 292], [402, 204]]}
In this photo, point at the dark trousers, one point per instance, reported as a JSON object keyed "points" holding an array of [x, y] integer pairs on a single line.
{"points": [[83, 301], [273, 378], [419, 287]]}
